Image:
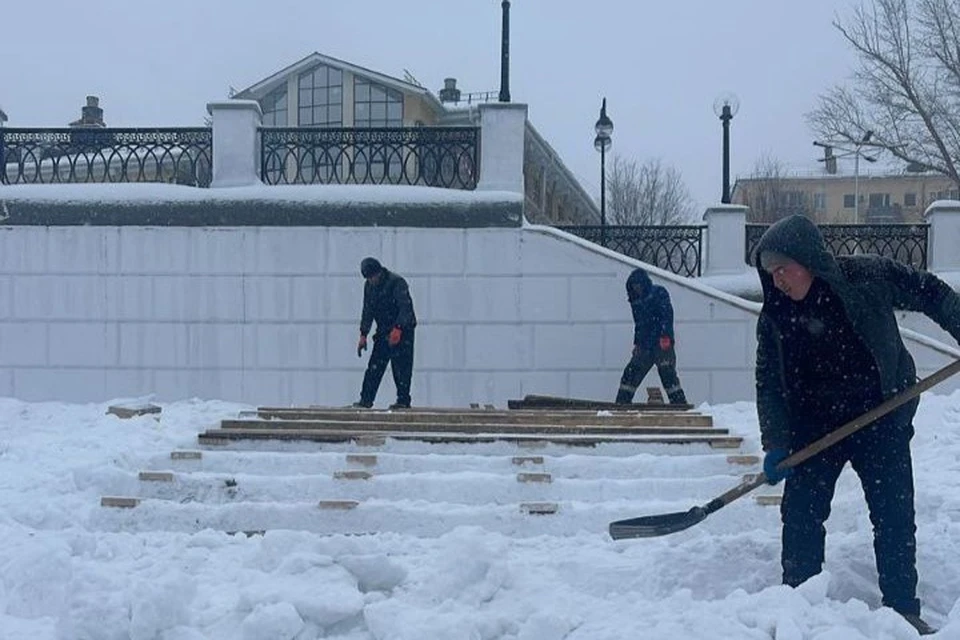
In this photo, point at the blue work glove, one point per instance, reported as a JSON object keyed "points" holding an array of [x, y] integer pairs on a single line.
{"points": [[770, 462]]}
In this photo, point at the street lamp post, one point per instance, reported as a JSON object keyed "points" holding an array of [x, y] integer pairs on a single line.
{"points": [[505, 52], [602, 143], [726, 106], [857, 153]]}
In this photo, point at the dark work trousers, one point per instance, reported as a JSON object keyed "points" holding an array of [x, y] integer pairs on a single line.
{"points": [[641, 363], [880, 456], [400, 359]]}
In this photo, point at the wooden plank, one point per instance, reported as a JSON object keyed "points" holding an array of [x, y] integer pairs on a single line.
{"points": [[125, 411], [440, 427], [732, 442], [768, 500], [534, 440], [155, 476], [743, 459], [352, 474], [524, 460], [535, 477], [559, 417], [363, 459], [338, 505], [556, 402], [186, 455], [539, 508], [119, 502]]}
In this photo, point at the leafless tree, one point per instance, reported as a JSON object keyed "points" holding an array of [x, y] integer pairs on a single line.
{"points": [[906, 90], [650, 193], [766, 192]]}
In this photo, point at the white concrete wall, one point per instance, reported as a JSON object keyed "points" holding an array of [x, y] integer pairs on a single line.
{"points": [[270, 315]]}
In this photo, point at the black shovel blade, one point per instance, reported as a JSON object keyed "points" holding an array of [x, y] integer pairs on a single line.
{"points": [[653, 526]]}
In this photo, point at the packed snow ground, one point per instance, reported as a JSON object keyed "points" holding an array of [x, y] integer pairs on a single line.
{"points": [[459, 564]]}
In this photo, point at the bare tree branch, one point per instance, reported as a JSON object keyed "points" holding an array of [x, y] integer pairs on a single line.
{"points": [[907, 87], [646, 194]]}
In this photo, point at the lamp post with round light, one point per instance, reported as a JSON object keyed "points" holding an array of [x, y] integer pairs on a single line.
{"points": [[602, 143], [726, 106]]}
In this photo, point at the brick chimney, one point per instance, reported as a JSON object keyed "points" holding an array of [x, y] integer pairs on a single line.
{"points": [[91, 116]]}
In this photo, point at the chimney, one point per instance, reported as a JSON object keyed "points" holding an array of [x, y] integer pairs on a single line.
{"points": [[449, 93], [91, 116]]}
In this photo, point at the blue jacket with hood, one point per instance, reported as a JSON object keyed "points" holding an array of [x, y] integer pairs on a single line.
{"points": [[652, 311]]}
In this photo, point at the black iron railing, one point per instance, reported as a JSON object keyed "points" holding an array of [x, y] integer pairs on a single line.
{"points": [[174, 155], [674, 248], [430, 156], [906, 243]]}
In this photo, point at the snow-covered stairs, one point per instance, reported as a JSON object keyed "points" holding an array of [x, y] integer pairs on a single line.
{"points": [[426, 472]]}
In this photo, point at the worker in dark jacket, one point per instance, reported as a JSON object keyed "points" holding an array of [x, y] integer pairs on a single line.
{"points": [[386, 300], [829, 350], [653, 342]]}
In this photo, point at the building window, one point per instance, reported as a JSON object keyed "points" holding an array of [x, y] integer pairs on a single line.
{"points": [[849, 201], [375, 105], [321, 97], [909, 199], [819, 201], [878, 200], [274, 107]]}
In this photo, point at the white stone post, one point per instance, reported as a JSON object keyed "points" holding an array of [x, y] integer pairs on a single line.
{"points": [[236, 142], [943, 244], [726, 239], [502, 126]]}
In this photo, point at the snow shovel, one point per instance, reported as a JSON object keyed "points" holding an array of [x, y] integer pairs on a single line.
{"points": [[661, 525]]}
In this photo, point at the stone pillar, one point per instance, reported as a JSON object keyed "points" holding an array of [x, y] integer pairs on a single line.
{"points": [[236, 142], [502, 127], [726, 239], [942, 246]]}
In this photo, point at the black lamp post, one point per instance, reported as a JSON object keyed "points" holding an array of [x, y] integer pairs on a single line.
{"points": [[602, 143], [505, 52], [726, 106]]}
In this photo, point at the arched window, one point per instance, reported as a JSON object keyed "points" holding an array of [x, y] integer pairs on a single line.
{"points": [[321, 97]]}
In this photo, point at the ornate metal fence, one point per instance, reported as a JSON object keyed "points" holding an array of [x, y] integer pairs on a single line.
{"points": [[430, 156], [906, 243], [176, 155], [674, 248]]}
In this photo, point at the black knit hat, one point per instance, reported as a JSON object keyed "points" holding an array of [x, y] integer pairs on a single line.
{"points": [[370, 267]]}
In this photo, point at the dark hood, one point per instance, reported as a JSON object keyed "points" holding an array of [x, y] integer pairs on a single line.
{"points": [[799, 238], [638, 276]]}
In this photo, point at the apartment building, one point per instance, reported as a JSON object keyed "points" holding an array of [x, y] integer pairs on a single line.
{"points": [[833, 198]]}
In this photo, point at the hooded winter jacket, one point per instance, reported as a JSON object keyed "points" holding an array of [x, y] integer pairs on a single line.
{"points": [[388, 302], [869, 289], [652, 311]]}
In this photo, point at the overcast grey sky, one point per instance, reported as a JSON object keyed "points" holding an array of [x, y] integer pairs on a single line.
{"points": [[660, 64]]}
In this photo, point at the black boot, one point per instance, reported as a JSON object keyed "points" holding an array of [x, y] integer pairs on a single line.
{"points": [[362, 405], [918, 623], [624, 397], [677, 397]]}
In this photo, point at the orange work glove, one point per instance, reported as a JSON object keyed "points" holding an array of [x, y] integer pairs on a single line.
{"points": [[362, 345], [665, 343], [394, 338]]}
